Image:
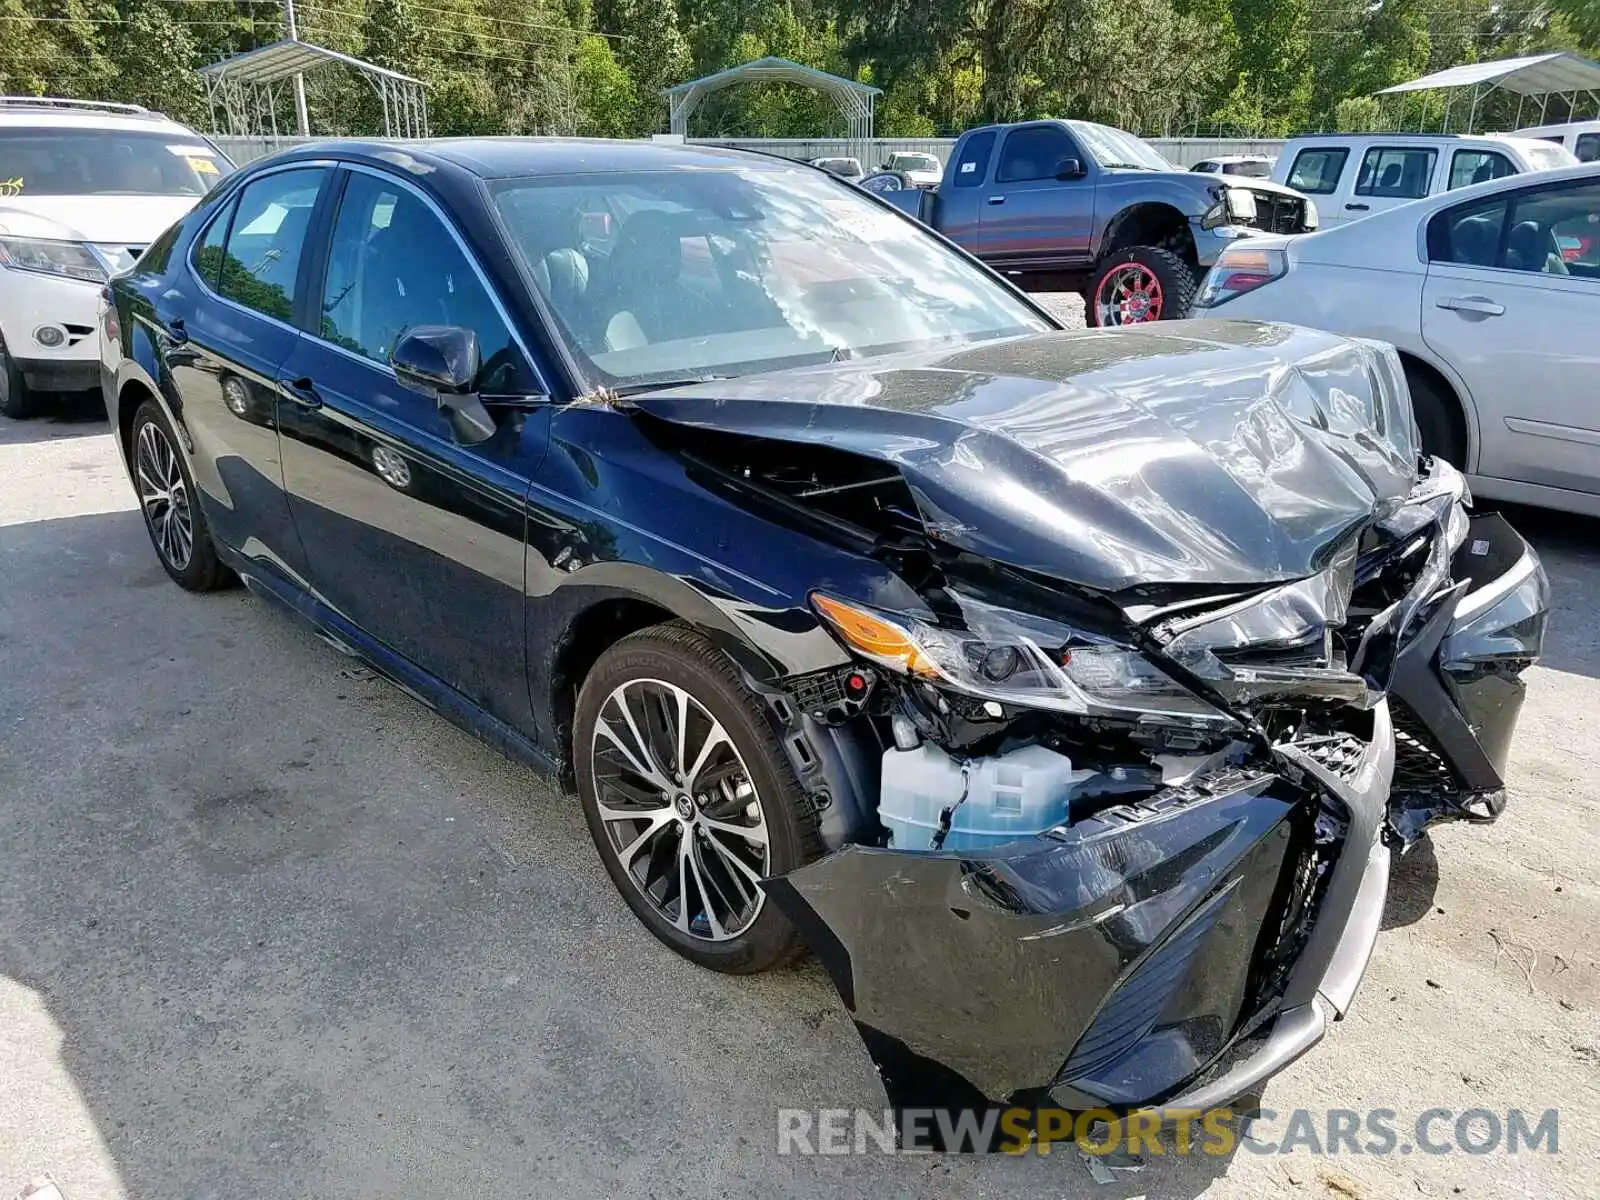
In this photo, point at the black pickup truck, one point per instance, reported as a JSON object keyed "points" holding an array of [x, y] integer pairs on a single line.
{"points": [[1071, 205]]}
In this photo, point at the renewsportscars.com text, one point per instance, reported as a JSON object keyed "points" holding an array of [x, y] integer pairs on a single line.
{"points": [[1217, 1132]]}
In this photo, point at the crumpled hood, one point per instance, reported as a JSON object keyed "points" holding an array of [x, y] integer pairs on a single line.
{"points": [[1206, 452], [110, 220]]}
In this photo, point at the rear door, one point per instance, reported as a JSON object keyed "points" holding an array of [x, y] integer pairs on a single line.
{"points": [[223, 344], [1387, 176], [1512, 302], [1031, 217], [409, 535]]}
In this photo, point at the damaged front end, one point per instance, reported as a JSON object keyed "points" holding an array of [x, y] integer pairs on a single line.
{"points": [[1209, 900], [1131, 753]]}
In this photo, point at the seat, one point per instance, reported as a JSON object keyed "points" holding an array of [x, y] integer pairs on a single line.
{"points": [[1389, 181], [1472, 241], [404, 282], [1530, 247], [646, 299]]}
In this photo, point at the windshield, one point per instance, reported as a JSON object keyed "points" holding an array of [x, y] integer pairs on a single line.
{"points": [[1550, 158], [105, 162], [1250, 169], [664, 276], [915, 162], [1115, 148]]}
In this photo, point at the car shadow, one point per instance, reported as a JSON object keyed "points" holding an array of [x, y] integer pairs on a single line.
{"points": [[61, 415], [1413, 884], [271, 928]]}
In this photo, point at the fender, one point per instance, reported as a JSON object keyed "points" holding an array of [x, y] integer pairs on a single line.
{"points": [[142, 364]]}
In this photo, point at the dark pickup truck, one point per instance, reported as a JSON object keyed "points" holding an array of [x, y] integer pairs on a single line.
{"points": [[1072, 205]]}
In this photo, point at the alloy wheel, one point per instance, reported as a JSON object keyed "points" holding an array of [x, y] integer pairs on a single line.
{"points": [[164, 496], [1129, 295], [680, 809]]}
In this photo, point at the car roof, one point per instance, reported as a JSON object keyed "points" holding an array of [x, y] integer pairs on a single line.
{"points": [[28, 112], [515, 157], [1562, 127]]}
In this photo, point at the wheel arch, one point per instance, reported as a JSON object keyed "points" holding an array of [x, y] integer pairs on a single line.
{"points": [[135, 385], [1459, 410], [1150, 223], [569, 630]]}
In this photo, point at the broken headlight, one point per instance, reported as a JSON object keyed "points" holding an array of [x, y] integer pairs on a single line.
{"points": [[1017, 659]]}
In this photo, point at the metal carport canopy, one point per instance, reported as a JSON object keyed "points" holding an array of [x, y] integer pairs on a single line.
{"points": [[1534, 75], [287, 58]]}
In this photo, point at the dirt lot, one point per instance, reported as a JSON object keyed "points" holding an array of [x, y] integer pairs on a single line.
{"points": [[268, 928]]}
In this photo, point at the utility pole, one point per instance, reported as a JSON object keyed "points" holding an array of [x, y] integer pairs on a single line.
{"points": [[302, 123]]}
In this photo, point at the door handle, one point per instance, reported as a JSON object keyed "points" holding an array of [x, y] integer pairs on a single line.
{"points": [[301, 391], [997, 199], [1479, 305], [174, 331], [1358, 207]]}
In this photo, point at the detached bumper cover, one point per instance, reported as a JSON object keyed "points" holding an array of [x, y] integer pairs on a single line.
{"points": [[1457, 688], [1176, 949]]}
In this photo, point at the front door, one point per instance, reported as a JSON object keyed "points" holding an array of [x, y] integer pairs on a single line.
{"points": [[413, 537], [224, 357], [1512, 303], [1031, 217]]}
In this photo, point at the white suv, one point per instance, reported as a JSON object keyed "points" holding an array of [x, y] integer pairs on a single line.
{"points": [[1353, 175], [84, 187]]}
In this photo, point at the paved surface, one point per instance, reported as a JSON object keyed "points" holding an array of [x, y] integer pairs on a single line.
{"points": [[268, 928]]}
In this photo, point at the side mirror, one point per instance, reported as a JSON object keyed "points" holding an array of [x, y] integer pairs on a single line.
{"points": [[441, 362], [1070, 168]]}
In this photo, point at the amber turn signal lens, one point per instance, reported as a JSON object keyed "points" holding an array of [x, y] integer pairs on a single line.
{"points": [[873, 636]]}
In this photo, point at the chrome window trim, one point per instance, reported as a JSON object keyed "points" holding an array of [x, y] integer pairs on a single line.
{"points": [[325, 164]]}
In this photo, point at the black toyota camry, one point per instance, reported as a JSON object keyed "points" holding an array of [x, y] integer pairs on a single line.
{"points": [[1064, 692]]}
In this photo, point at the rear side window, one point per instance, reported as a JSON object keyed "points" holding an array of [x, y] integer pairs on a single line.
{"points": [[1034, 153], [269, 228], [1478, 166], [1468, 235], [207, 255], [1396, 172], [973, 164], [1588, 147], [1316, 172]]}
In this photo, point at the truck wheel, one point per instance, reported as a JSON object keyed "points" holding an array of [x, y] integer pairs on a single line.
{"points": [[1138, 284]]}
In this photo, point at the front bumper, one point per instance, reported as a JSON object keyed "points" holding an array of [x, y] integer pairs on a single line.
{"points": [[31, 302], [1457, 686], [1133, 959]]}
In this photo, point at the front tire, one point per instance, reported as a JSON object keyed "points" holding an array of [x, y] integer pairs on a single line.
{"points": [[690, 798], [17, 400], [167, 498], [1137, 285]]}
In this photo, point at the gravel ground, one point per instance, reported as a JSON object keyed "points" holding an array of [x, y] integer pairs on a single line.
{"points": [[269, 928]]}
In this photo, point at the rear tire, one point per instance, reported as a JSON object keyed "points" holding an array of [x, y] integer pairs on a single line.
{"points": [[1438, 420], [17, 400], [1139, 284], [170, 505], [675, 863]]}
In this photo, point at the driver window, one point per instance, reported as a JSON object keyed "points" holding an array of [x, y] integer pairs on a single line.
{"points": [[393, 265], [1033, 153]]}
